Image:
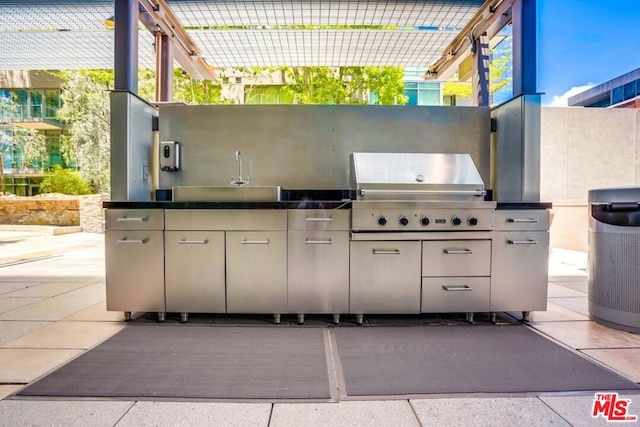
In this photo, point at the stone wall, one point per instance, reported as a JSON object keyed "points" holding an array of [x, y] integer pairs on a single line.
{"points": [[40, 211], [55, 209]]}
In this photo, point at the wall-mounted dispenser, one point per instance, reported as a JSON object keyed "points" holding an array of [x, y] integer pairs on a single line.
{"points": [[169, 156]]}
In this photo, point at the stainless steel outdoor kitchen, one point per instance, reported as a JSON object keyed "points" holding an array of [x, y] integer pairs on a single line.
{"points": [[332, 210]]}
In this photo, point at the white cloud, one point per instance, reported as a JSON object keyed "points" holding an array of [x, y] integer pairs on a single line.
{"points": [[562, 100]]}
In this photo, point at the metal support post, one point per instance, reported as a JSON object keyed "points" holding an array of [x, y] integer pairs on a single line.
{"points": [[480, 71], [126, 45]]}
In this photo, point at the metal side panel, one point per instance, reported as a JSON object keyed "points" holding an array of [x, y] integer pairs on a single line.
{"points": [[134, 270], [385, 277], [195, 271]]}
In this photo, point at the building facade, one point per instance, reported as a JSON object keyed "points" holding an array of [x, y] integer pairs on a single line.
{"points": [[621, 92]]}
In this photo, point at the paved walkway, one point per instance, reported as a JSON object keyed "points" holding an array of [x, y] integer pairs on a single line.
{"points": [[52, 309]]}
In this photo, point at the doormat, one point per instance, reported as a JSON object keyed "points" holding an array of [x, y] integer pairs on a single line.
{"points": [[163, 361], [464, 359]]}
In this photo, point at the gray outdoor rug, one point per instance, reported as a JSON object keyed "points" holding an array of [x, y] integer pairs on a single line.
{"points": [[464, 359], [243, 362], [196, 362]]}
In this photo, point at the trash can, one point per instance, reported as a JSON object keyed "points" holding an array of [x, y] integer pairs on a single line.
{"points": [[614, 257]]}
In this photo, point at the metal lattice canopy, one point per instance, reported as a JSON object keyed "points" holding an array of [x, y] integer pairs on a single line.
{"points": [[71, 34]]}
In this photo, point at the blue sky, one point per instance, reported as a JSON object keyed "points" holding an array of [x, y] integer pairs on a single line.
{"points": [[582, 43]]}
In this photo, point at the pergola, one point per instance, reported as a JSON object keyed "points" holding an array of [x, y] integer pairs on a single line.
{"points": [[202, 35]]}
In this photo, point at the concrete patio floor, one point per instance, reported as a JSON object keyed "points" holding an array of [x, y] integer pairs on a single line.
{"points": [[52, 309]]}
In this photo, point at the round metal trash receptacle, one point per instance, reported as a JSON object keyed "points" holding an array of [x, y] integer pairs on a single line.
{"points": [[614, 257]]}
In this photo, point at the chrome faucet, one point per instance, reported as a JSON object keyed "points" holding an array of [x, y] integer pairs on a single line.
{"points": [[239, 182]]}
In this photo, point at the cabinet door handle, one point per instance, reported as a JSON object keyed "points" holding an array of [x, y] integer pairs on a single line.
{"points": [[131, 219], [458, 251], [522, 242], [457, 288], [193, 242], [317, 242], [255, 242], [128, 241], [386, 251], [319, 219], [522, 220]]}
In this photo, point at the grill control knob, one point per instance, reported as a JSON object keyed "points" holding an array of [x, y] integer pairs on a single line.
{"points": [[403, 220], [456, 220], [472, 220], [382, 220], [424, 220]]}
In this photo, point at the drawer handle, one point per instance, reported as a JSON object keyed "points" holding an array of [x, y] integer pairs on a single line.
{"points": [[386, 251], [255, 242], [127, 241], [458, 251], [132, 219], [457, 288], [522, 220], [319, 219], [522, 242], [193, 242], [317, 242]]}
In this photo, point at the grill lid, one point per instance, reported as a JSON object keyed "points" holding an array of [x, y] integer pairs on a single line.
{"points": [[415, 176]]}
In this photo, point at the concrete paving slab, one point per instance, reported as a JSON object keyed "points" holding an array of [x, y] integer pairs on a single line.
{"points": [[482, 412], [8, 304], [582, 286], [9, 331], [62, 413], [67, 335], [556, 291], [555, 313], [97, 313], [391, 413], [624, 360], [29, 364], [197, 414], [6, 391], [45, 290], [577, 304], [588, 335], [50, 309], [8, 287]]}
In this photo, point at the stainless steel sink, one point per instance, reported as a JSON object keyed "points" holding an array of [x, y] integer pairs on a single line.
{"points": [[226, 194]]}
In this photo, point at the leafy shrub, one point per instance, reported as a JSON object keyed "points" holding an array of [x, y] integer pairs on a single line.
{"points": [[65, 181]]}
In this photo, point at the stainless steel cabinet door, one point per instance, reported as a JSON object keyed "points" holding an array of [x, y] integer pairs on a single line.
{"points": [[385, 277], [519, 271], [134, 270], [256, 272], [194, 271], [318, 277]]}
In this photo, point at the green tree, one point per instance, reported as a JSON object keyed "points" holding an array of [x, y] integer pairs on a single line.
{"points": [[85, 108], [344, 85]]}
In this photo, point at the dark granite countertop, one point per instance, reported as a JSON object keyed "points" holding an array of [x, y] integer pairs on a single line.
{"points": [[289, 204], [523, 205]]}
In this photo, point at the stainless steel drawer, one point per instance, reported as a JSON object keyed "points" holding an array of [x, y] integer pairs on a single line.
{"points": [[456, 258], [134, 219], [318, 219], [225, 219], [455, 294], [526, 220]]}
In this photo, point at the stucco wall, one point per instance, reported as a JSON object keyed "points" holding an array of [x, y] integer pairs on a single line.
{"points": [[583, 149]]}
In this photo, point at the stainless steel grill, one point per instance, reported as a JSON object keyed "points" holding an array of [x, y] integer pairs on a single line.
{"points": [[418, 192]]}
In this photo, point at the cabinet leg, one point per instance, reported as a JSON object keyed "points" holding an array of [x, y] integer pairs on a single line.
{"points": [[127, 316], [161, 316], [276, 319], [336, 319], [470, 317], [184, 317], [525, 316], [300, 319], [359, 319], [493, 317]]}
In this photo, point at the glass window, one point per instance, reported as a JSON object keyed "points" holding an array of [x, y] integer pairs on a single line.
{"points": [[630, 90], [617, 95], [52, 99], [266, 95], [35, 107], [21, 99], [638, 87]]}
